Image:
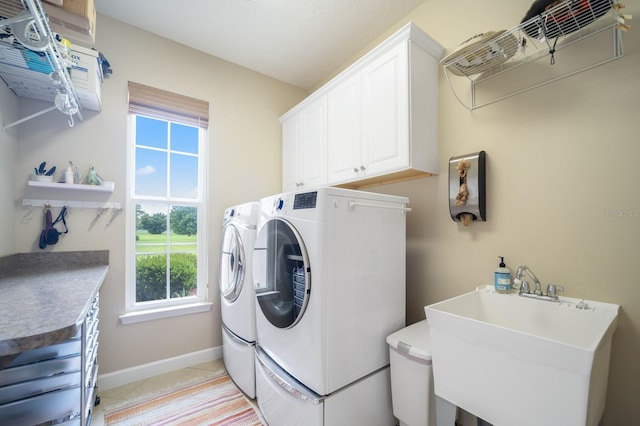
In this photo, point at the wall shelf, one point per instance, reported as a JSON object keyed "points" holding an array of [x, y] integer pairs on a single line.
{"points": [[106, 186], [536, 43], [81, 196], [32, 61]]}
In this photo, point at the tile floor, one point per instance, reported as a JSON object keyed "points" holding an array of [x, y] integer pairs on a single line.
{"points": [[152, 385]]}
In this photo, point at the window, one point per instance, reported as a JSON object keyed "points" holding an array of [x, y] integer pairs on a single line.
{"points": [[166, 194]]}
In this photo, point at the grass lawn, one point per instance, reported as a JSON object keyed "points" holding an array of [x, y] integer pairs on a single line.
{"points": [[157, 242]]}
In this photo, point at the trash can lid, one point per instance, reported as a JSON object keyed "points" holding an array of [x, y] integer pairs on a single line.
{"points": [[414, 340]]}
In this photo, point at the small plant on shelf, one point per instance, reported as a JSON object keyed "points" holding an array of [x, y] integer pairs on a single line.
{"points": [[42, 170], [41, 173]]}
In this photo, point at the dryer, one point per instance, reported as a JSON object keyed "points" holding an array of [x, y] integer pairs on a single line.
{"points": [[329, 276], [237, 296]]}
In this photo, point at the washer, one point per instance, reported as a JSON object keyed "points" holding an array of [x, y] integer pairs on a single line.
{"points": [[237, 297], [329, 275]]}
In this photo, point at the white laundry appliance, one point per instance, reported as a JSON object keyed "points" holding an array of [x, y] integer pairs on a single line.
{"points": [[237, 296], [329, 276]]}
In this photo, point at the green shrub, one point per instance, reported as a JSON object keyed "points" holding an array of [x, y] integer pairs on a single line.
{"points": [[151, 276], [184, 274]]}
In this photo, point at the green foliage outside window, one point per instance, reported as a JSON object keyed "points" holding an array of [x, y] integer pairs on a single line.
{"points": [[151, 276], [155, 224], [184, 220]]}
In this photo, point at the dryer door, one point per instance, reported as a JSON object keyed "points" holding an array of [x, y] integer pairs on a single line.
{"points": [[281, 273], [232, 263]]}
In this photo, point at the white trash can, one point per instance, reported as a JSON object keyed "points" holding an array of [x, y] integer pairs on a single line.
{"points": [[413, 399]]}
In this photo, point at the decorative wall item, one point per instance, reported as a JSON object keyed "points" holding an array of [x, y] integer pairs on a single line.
{"points": [[467, 187]]}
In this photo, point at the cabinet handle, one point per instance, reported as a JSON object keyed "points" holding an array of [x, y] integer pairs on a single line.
{"points": [[362, 168], [355, 170]]}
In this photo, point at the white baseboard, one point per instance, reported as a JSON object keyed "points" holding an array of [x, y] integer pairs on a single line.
{"points": [[144, 371]]}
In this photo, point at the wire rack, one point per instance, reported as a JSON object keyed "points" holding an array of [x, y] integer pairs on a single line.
{"points": [[487, 56], [32, 60]]}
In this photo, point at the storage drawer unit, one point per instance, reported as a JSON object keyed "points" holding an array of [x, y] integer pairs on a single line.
{"points": [[38, 370], [34, 387], [56, 383], [70, 347], [54, 407], [90, 335]]}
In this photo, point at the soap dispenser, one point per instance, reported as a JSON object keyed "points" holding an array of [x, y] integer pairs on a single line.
{"points": [[502, 277]]}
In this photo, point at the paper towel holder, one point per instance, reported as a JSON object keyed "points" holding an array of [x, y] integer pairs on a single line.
{"points": [[467, 189]]}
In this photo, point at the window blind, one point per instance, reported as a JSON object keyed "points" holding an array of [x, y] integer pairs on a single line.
{"points": [[158, 103]]}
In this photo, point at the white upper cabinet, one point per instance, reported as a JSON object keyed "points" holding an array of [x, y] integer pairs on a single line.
{"points": [[344, 118], [304, 146], [385, 113], [290, 148], [381, 116]]}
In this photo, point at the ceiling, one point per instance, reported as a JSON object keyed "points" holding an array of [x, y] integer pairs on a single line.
{"points": [[295, 41]]}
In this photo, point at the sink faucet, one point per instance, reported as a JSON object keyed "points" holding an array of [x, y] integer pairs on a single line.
{"points": [[522, 270], [523, 286]]}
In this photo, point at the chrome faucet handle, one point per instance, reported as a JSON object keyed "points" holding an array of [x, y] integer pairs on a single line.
{"points": [[522, 270], [524, 287], [553, 290]]}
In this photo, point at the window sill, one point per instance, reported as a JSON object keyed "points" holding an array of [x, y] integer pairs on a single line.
{"points": [[168, 312]]}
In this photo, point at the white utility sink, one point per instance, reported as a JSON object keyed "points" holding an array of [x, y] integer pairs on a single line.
{"points": [[512, 360]]}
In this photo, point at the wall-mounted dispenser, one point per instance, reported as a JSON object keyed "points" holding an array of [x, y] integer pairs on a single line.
{"points": [[467, 187]]}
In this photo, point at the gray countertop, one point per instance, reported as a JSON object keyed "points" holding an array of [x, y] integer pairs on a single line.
{"points": [[44, 296]]}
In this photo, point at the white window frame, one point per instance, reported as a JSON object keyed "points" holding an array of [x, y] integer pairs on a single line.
{"points": [[151, 310]]}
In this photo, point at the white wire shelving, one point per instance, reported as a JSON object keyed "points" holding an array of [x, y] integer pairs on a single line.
{"points": [[32, 61], [532, 54]]}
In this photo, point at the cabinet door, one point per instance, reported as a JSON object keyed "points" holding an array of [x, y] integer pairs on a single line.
{"points": [[290, 147], [385, 111], [304, 147], [344, 123], [313, 144]]}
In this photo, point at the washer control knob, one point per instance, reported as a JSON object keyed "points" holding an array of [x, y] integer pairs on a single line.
{"points": [[279, 204]]}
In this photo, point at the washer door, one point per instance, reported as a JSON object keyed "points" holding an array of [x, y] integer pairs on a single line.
{"points": [[281, 273], [232, 263]]}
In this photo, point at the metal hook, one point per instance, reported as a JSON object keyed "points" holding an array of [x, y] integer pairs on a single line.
{"points": [[27, 216], [115, 212], [99, 212], [71, 123]]}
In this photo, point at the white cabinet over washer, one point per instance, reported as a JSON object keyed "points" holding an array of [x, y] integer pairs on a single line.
{"points": [[304, 146], [381, 116], [344, 128], [385, 114]]}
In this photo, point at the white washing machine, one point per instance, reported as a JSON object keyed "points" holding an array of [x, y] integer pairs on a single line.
{"points": [[329, 275], [237, 297]]}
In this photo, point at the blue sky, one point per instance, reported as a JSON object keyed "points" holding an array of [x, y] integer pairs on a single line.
{"points": [[161, 148]]}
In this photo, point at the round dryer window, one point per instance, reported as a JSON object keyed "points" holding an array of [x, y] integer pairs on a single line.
{"points": [[232, 263], [281, 273]]}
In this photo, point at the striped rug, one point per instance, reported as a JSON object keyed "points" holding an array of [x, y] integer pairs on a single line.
{"points": [[215, 401]]}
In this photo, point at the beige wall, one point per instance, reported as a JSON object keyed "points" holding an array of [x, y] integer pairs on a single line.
{"points": [[8, 155], [559, 158], [244, 165]]}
